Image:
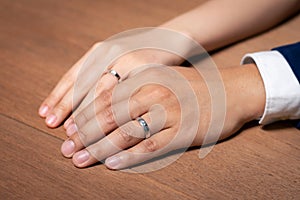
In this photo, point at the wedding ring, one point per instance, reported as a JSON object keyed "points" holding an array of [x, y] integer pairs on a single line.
{"points": [[145, 126], [114, 73]]}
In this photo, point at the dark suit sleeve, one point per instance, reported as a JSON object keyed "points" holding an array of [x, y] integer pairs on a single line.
{"points": [[291, 53]]}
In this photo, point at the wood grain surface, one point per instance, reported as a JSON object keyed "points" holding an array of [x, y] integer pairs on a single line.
{"points": [[41, 39]]}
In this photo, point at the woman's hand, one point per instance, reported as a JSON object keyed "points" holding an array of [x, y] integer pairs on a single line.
{"points": [[59, 104], [176, 105], [209, 33]]}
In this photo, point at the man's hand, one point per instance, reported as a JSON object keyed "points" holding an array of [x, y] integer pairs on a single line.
{"points": [[178, 115]]}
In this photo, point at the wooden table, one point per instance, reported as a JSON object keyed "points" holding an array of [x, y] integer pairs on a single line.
{"points": [[41, 39]]}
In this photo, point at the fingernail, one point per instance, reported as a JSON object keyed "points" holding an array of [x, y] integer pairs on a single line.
{"points": [[68, 123], [81, 156], [51, 119], [71, 129], [113, 162], [43, 110], [68, 148]]}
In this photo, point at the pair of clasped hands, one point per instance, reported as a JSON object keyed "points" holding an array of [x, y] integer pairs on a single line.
{"points": [[143, 105]]}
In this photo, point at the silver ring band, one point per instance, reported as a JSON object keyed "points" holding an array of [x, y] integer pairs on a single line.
{"points": [[114, 73], [145, 126]]}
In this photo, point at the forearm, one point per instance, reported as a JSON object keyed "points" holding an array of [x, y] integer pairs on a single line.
{"points": [[220, 22]]}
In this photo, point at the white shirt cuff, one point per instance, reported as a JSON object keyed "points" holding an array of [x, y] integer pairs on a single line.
{"points": [[281, 86]]}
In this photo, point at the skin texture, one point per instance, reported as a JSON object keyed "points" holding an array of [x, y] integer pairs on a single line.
{"points": [[229, 21], [239, 19], [246, 106]]}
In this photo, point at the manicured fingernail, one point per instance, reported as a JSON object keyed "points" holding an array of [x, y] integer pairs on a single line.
{"points": [[68, 123], [43, 110], [71, 129], [68, 148], [82, 156], [51, 119], [113, 162]]}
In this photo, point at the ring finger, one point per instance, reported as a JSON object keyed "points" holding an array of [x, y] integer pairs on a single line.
{"points": [[89, 130], [121, 138]]}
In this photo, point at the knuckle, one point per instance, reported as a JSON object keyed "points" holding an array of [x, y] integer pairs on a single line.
{"points": [[81, 118], [84, 137], [124, 134], [108, 116], [150, 145], [103, 99], [128, 58], [106, 97], [79, 139], [135, 107], [135, 101], [53, 97], [62, 106], [161, 92], [158, 92]]}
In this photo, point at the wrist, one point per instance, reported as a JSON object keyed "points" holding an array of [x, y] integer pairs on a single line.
{"points": [[245, 92]]}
